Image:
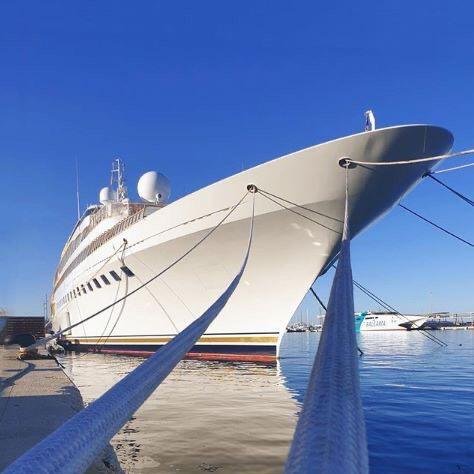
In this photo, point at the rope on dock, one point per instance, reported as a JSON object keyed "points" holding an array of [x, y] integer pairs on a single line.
{"points": [[330, 436], [75, 445]]}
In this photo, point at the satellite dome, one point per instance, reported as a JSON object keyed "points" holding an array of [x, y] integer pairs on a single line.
{"points": [[106, 195], [154, 187]]}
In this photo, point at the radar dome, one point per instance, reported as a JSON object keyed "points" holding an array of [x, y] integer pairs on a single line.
{"points": [[106, 195], [154, 187]]}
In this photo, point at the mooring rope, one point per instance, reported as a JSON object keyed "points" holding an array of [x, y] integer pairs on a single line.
{"points": [[449, 188], [75, 445], [301, 207], [96, 345], [318, 299], [325, 309], [453, 168], [410, 162], [384, 304], [43, 341], [330, 435], [411, 211], [264, 194]]}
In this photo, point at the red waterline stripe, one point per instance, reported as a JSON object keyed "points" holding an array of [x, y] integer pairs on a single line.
{"points": [[265, 358]]}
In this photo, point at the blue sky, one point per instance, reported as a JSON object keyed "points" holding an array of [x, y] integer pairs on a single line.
{"points": [[199, 89]]}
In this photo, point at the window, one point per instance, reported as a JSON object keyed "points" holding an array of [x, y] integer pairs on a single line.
{"points": [[105, 279], [96, 283], [90, 286], [127, 271], [115, 276]]}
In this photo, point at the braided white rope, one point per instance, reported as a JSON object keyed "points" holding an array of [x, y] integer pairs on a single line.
{"points": [[452, 169], [73, 446], [330, 435], [410, 162]]}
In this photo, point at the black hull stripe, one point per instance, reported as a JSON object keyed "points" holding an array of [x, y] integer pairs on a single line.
{"points": [[199, 348]]}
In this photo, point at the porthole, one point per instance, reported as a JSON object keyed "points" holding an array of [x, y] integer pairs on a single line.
{"points": [[115, 275], [127, 271], [105, 279]]}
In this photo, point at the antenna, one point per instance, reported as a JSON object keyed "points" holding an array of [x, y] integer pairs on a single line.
{"points": [[77, 191], [45, 306], [118, 178]]}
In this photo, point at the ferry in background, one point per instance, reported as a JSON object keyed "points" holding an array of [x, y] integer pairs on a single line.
{"points": [[359, 319], [388, 321]]}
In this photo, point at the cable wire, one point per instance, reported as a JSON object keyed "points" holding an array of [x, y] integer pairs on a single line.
{"points": [[381, 302], [301, 207], [263, 193], [325, 309], [436, 225], [452, 169], [409, 162], [458, 194]]}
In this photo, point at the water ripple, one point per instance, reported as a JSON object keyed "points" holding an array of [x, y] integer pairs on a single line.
{"points": [[225, 417]]}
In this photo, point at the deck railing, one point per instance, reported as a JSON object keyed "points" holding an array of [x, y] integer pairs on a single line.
{"points": [[137, 213]]}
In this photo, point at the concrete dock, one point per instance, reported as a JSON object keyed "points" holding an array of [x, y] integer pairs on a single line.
{"points": [[36, 397]]}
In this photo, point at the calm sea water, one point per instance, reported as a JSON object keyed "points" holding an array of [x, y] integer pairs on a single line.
{"points": [[220, 417]]}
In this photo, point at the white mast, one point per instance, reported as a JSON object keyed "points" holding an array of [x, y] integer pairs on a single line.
{"points": [[118, 179]]}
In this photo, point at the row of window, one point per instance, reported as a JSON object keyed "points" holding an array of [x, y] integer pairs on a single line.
{"points": [[95, 283], [98, 242]]}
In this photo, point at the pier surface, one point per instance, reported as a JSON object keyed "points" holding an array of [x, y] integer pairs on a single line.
{"points": [[36, 397]]}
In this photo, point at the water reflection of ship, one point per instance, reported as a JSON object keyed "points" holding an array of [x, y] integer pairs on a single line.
{"points": [[206, 416]]}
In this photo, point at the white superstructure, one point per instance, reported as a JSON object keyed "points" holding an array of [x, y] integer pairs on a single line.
{"points": [[118, 244]]}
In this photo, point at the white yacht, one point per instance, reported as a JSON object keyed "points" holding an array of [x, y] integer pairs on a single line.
{"points": [[119, 243]]}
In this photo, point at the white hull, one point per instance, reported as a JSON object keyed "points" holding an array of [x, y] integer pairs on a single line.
{"points": [[287, 255], [392, 322]]}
